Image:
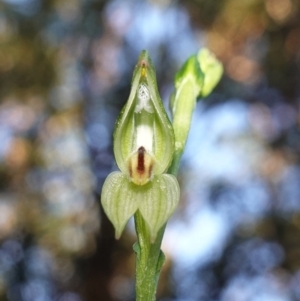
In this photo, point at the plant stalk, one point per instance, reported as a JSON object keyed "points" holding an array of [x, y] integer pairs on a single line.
{"points": [[150, 258]]}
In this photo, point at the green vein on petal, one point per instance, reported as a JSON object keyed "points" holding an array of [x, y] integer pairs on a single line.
{"points": [[159, 202], [118, 200]]}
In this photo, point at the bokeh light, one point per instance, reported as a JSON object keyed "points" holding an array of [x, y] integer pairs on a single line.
{"points": [[65, 73]]}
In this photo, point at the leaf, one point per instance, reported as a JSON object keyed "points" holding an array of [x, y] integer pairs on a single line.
{"points": [[160, 263], [136, 248]]}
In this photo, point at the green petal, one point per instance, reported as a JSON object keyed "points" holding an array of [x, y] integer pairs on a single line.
{"points": [[159, 202], [118, 201], [144, 110]]}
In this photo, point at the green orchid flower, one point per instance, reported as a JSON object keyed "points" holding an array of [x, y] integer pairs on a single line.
{"points": [[143, 148]]}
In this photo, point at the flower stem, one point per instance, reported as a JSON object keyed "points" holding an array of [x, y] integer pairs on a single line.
{"points": [[173, 169], [150, 258]]}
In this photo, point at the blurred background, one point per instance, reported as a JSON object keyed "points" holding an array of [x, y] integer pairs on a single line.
{"points": [[65, 72]]}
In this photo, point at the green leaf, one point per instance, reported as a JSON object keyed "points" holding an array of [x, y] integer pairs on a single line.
{"points": [[160, 263], [117, 200], [136, 248], [143, 124], [159, 201]]}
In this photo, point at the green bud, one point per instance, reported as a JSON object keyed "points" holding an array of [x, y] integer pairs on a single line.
{"points": [[212, 70], [192, 72], [143, 138], [198, 76], [188, 83]]}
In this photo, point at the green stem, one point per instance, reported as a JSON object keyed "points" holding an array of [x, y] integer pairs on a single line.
{"points": [[149, 260], [149, 256], [173, 169]]}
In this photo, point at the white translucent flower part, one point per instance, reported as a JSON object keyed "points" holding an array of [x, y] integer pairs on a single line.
{"points": [[143, 100]]}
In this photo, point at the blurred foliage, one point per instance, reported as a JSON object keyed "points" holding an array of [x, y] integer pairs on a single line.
{"points": [[65, 70]]}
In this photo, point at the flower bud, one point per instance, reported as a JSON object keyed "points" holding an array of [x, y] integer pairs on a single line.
{"points": [[212, 70], [198, 76]]}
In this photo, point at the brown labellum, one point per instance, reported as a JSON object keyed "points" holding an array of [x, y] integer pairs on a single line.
{"points": [[140, 166]]}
